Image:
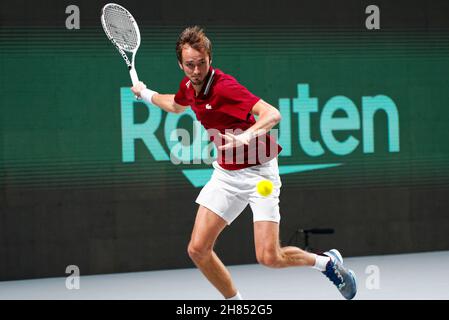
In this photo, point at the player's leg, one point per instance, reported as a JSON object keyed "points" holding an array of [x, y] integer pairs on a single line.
{"points": [[207, 228], [220, 204], [270, 254], [266, 232], [269, 251], [266, 223]]}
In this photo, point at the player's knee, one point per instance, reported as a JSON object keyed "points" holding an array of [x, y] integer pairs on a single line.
{"points": [[268, 258], [198, 251]]}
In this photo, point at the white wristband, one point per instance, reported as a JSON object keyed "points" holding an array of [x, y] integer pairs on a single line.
{"points": [[147, 95]]}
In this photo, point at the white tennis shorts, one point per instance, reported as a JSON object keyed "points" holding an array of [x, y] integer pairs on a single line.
{"points": [[228, 192]]}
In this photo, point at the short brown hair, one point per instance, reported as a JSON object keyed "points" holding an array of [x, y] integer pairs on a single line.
{"points": [[196, 38]]}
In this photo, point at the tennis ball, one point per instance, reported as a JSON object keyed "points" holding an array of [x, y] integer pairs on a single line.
{"points": [[265, 187]]}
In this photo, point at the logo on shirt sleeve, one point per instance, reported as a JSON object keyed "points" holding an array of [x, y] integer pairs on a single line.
{"points": [[208, 106]]}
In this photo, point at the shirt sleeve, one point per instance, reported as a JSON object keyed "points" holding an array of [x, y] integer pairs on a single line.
{"points": [[236, 99], [180, 96]]}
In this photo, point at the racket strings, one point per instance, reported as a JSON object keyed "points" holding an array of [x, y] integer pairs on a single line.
{"points": [[121, 28]]}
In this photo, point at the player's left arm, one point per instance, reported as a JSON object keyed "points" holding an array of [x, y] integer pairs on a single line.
{"points": [[268, 117]]}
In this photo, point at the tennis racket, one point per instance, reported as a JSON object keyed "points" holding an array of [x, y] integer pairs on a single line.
{"points": [[121, 28]]}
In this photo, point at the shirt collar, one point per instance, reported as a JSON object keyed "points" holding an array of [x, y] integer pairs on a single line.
{"points": [[207, 83]]}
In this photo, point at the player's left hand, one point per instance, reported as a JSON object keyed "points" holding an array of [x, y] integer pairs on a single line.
{"points": [[234, 141]]}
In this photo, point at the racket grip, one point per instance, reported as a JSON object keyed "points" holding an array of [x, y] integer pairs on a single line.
{"points": [[133, 75]]}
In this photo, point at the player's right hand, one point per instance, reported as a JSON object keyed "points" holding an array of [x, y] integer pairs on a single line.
{"points": [[137, 89]]}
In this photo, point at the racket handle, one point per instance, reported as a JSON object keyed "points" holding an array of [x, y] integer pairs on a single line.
{"points": [[133, 75]]}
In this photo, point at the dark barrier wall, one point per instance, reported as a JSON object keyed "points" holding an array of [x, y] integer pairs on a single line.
{"points": [[85, 171]]}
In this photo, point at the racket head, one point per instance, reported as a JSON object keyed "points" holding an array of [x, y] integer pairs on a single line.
{"points": [[120, 27]]}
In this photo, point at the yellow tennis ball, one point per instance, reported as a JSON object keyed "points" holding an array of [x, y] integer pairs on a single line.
{"points": [[265, 187]]}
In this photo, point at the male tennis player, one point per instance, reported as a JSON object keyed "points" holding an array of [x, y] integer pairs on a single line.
{"points": [[221, 103]]}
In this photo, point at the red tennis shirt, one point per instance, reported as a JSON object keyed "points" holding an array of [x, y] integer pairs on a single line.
{"points": [[223, 105]]}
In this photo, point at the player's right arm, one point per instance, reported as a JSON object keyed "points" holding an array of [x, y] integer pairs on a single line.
{"points": [[164, 101]]}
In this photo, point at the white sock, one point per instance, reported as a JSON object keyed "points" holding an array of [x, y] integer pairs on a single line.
{"points": [[236, 297], [321, 262]]}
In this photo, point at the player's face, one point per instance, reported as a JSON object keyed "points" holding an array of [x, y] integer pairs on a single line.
{"points": [[195, 65]]}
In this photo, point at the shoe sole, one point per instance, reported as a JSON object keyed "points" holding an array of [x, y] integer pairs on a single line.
{"points": [[355, 283]]}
